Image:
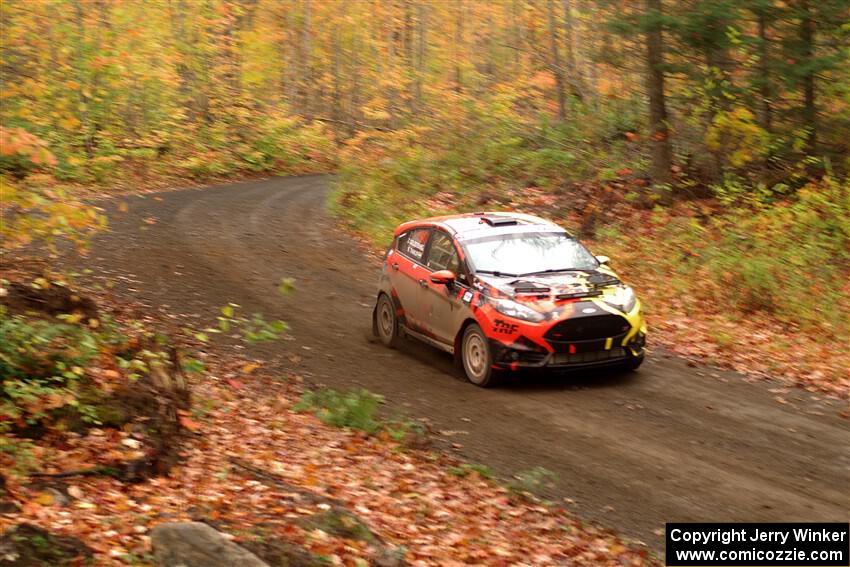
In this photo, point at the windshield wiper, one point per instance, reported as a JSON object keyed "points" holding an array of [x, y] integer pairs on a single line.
{"points": [[497, 273], [556, 270]]}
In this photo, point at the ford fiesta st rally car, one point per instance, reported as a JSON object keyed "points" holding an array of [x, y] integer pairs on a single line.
{"points": [[505, 291]]}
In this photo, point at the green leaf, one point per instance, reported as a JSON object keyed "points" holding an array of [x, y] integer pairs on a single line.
{"points": [[286, 286], [193, 365]]}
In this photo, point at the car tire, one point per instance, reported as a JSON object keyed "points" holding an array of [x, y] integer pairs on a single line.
{"points": [[476, 358], [634, 363], [386, 322]]}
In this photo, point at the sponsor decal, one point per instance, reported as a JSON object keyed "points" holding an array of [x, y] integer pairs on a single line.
{"points": [[467, 297], [589, 310], [504, 327], [415, 248]]}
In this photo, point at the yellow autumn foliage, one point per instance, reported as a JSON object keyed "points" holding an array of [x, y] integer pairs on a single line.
{"points": [[38, 213], [736, 135]]}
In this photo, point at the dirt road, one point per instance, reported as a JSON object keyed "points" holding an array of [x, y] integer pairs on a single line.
{"points": [[632, 451]]}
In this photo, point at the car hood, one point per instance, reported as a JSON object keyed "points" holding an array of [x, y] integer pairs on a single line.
{"points": [[545, 291]]}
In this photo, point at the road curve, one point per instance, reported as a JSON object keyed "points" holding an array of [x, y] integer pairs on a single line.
{"points": [[630, 451]]}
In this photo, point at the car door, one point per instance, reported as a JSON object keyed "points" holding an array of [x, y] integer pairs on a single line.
{"points": [[407, 271], [441, 304]]}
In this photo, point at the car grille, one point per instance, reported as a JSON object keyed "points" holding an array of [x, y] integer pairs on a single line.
{"points": [[523, 357], [584, 357], [587, 328], [523, 351]]}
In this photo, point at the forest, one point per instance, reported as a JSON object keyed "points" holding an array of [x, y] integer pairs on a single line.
{"points": [[744, 91], [722, 91], [701, 144]]}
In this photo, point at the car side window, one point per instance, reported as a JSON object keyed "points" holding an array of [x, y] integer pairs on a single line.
{"points": [[412, 243], [442, 254]]}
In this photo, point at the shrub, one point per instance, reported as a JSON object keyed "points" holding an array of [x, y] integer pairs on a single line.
{"points": [[22, 152], [283, 144], [406, 431], [788, 257], [534, 481], [388, 177], [41, 365], [355, 409], [30, 213], [466, 469], [736, 135], [254, 330]]}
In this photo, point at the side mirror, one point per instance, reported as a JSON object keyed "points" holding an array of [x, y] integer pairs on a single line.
{"points": [[603, 259], [445, 277]]}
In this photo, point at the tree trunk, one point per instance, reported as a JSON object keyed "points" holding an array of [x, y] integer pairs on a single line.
{"points": [[354, 113], [766, 117], [514, 34], [575, 76], [305, 79], [807, 38], [286, 81], [662, 155], [407, 36], [457, 46], [421, 50], [82, 89], [489, 47], [555, 58], [336, 105], [590, 43], [191, 92], [391, 94]]}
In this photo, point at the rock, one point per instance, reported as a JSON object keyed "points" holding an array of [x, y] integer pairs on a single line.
{"points": [[50, 491], [389, 557], [340, 522], [194, 544], [278, 552]]}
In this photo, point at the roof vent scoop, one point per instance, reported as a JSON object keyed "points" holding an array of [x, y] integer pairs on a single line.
{"points": [[499, 221]]}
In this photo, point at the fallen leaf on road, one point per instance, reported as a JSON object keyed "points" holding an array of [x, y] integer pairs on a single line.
{"points": [[250, 367], [44, 499], [75, 492]]}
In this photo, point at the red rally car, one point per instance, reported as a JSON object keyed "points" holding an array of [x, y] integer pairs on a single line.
{"points": [[504, 291]]}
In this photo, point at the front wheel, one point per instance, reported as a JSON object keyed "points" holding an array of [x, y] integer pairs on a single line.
{"points": [[634, 362], [386, 322], [477, 358]]}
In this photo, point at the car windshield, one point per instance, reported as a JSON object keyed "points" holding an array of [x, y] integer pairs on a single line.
{"points": [[528, 253]]}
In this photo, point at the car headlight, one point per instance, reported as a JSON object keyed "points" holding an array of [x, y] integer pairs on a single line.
{"points": [[517, 310], [623, 299]]}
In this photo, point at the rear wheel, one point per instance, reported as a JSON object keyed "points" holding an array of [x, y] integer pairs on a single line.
{"points": [[386, 322], [477, 358]]}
